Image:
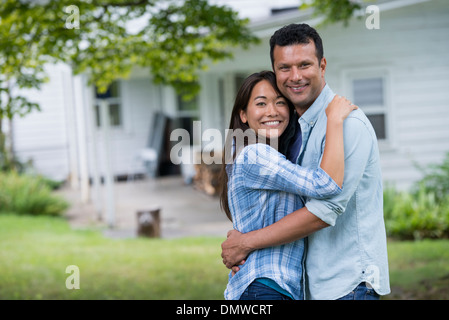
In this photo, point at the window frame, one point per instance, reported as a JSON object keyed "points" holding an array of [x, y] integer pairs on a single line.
{"points": [[188, 113], [118, 100], [350, 75]]}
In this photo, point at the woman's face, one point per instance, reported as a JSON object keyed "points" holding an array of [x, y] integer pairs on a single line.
{"points": [[267, 112]]}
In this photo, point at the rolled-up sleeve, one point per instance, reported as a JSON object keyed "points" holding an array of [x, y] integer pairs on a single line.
{"points": [[358, 144]]}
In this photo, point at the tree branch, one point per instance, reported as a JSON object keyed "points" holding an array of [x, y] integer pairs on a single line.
{"points": [[124, 4]]}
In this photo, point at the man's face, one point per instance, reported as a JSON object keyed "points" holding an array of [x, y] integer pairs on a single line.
{"points": [[299, 75]]}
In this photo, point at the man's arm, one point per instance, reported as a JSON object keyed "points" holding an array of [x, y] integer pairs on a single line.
{"points": [[323, 213], [297, 225]]}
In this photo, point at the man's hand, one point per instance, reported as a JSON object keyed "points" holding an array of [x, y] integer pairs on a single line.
{"points": [[234, 250], [294, 226]]}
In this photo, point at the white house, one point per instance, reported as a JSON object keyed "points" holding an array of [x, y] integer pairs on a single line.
{"points": [[397, 72]]}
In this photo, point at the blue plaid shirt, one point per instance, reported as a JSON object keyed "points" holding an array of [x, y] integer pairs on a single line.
{"points": [[255, 179]]}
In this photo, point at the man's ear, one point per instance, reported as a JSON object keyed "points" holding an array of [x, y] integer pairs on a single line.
{"points": [[243, 116], [323, 66]]}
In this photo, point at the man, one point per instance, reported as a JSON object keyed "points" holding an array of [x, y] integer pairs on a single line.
{"points": [[347, 253]]}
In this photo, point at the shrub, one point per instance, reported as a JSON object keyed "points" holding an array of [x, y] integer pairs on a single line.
{"points": [[423, 212], [25, 194], [415, 215], [436, 179]]}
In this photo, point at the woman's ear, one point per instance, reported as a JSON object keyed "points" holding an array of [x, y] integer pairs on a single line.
{"points": [[243, 116]]}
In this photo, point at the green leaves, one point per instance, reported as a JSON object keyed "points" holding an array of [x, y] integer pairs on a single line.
{"points": [[423, 212], [187, 37], [30, 195], [333, 10], [176, 41], [436, 179]]}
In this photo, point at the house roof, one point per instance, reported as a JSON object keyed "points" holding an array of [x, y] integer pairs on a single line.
{"points": [[265, 27]]}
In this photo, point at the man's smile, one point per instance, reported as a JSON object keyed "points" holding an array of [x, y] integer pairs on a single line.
{"points": [[297, 88]]}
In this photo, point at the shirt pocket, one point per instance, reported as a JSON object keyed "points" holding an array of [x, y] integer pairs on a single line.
{"points": [[311, 159], [315, 154]]}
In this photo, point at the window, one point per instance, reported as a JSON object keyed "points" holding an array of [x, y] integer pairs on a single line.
{"points": [[238, 81], [188, 112], [369, 95], [188, 108], [112, 95]]}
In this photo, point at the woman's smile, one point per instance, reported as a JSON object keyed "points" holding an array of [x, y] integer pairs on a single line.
{"points": [[272, 124], [267, 112]]}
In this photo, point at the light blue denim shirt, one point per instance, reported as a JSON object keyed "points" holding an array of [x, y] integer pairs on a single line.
{"points": [[353, 249]]}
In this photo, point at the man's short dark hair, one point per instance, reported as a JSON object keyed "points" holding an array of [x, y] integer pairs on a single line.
{"points": [[296, 34]]}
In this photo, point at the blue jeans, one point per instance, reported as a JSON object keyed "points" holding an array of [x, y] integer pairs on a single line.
{"points": [[361, 292], [259, 291]]}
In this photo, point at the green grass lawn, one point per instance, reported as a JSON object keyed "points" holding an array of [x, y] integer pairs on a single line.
{"points": [[419, 270], [35, 251]]}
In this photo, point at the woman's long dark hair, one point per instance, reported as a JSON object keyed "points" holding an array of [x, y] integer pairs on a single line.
{"points": [[241, 103]]}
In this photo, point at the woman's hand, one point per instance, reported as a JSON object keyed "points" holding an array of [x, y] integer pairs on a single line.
{"points": [[339, 108]]}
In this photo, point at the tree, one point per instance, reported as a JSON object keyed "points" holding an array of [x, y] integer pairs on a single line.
{"points": [[334, 11], [177, 39]]}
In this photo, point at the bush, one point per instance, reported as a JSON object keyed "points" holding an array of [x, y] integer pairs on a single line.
{"points": [[24, 194], [436, 179], [423, 212], [415, 215]]}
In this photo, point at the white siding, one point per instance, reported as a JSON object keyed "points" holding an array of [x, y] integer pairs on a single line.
{"points": [[42, 136], [413, 46]]}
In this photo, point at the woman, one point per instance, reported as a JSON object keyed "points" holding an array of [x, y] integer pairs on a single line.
{"points": [[261, 186]]}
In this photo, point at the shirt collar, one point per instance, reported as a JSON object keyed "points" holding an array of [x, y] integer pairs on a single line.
{"points": [[311, 115]]}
